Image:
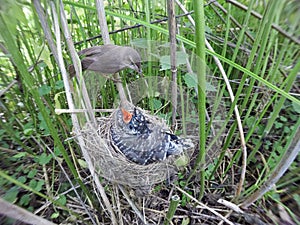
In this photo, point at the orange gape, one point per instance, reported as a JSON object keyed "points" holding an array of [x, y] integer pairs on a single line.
{"points": [[126, 116]]}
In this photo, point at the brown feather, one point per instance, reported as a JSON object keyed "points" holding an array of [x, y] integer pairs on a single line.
{"points": [[108, 59]]}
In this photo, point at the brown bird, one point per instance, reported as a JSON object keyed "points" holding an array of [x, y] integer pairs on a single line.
{"points": [[142, 141], [108, 59]]}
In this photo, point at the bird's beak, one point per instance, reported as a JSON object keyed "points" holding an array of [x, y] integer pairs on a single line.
{"points": [[126, 115], [140, 71], [138, 68]]}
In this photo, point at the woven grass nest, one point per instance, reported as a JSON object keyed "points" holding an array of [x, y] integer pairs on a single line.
{"points": [[114, 166]]}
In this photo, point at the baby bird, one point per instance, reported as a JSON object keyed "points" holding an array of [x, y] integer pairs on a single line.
{"points": [[144, 142]]}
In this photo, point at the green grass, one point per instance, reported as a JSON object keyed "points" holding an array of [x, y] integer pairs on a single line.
{"points": [[41, 162]]}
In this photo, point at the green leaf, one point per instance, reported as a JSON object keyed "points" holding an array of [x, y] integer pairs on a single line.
{"points": [[296, 107], [210, 87], [22, 179], [296, 197], [57, 151], [43, 125], [286, 130], [20, 155], [3, 181], [140, 42], [54, 215], [56, 100], [165, 60], [39, 185], [32, 173], [190, 80], [62, 200], [185, 221], [82, 163], [250, 121], [33, 183], [181, 161], [185, 199], [45, 56], [156, 103], [28, 131], [44, 89], [260, 128], [25, 199], [59, 84], [36, 185], [282, 118], [11, 194], [43, 159], [278, 125], [20, 168], [2, 132]]}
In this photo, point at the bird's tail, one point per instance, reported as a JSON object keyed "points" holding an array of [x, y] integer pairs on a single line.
{"points": [[178, 145], [71, 70], [85, 65]]}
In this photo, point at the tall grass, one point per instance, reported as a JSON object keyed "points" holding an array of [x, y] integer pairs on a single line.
{"points": [[258, 49]]}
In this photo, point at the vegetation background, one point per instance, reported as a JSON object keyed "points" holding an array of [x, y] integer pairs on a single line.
{"points": [[252, 80]]}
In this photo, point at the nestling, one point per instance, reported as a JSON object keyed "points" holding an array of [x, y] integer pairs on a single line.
{"points": [[144, 142]]}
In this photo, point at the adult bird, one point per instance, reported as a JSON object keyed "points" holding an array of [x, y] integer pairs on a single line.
{"points": [[142, 141], [108, 59]]}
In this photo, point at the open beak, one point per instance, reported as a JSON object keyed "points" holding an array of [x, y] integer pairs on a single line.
{"points": [[127, 116]]}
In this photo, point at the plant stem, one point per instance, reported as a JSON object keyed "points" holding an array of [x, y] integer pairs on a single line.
{"points": [[172, 208], [172, 35], [200, 68]]}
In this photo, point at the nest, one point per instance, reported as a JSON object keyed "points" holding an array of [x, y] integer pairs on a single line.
{"points": [[114, 166]]}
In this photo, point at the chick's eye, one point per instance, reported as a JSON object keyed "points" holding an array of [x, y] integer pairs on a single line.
{"points": [[130, 126]]}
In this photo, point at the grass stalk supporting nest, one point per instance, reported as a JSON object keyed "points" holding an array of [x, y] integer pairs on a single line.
{"points": [[201, 81]]}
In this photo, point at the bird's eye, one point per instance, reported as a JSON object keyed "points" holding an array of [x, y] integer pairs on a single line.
{"points": [[130, 126]]}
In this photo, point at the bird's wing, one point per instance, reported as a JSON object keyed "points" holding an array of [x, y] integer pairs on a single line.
{"points": [[86, 63], [97, 50], [144, 149]]}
